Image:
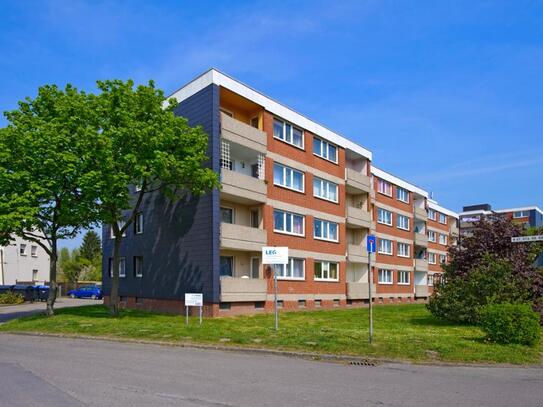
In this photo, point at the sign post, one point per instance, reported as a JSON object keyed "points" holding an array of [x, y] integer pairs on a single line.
{"points": [[193, 300], [370, 246], [271, 256]]}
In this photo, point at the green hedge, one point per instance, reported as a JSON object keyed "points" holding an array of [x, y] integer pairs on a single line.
{"points": [[510, 323], [11, 298]]}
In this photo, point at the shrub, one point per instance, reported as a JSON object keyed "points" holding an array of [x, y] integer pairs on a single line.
{"points": [[510, 323], [11, 298]]}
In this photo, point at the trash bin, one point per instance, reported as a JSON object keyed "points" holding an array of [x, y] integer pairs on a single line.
{"points": [[43, 292], [27, 291], [4, 288]]}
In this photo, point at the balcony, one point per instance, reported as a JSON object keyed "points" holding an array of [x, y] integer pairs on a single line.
{"points": [[238, 237], [242, 188], [421, 265], [358, 218], [357, 253], [454, 230], [420, 213], [359, 291], [243, 134], [243, 289], [421, 239], [421, 291], [356, 182]]}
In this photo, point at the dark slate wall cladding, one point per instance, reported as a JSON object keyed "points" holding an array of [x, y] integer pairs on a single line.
{"points": [[180, 242]]}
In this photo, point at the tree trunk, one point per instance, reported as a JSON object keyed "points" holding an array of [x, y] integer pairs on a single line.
{"points": [[51, 298], [114, 295]]}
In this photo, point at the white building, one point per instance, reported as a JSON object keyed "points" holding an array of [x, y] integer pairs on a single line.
{"points": [[23, 262]]}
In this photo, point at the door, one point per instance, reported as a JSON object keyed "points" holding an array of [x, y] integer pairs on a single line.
{"points": [[227, 266], [255, 267]]}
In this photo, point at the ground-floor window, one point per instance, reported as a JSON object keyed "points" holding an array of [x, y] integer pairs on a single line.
{"points": [[227, 266], [325, 270], [295, 269], [430, 280], [403, 277], [385, 276], [138, 266]]}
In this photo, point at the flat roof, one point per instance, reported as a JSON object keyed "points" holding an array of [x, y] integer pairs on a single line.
{"points": [[214, 76], [435, 206], [524, 208], [398, 181]]}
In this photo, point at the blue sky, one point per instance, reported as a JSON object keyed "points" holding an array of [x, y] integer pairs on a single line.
{"points": [[447, 95]]}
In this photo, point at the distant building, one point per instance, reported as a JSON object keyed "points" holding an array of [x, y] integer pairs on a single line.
{"points": [[23, 262]]}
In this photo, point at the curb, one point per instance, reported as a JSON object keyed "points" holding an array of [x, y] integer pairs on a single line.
{"points": [[323, 357]]}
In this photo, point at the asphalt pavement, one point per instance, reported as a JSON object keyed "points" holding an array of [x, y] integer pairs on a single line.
{"points": [[45, 371], [8, 312]]}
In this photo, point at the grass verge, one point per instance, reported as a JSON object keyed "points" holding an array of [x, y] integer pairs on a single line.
{"points": [[404, 332]]}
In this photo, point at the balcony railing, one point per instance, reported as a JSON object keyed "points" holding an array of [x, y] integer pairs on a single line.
{"points": [[357, 182], [359, 291], [243, 134], [238, 237], [238, 185], [420, 213], [421, 239], [358, 218], [421, 265], [243, 289], [454, 230], [357, 253], [421, 291]]}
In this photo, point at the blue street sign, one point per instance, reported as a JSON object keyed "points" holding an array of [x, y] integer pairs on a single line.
{"points": [[371, 243]]}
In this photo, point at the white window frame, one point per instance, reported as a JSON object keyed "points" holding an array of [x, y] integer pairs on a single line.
{"points": [[285, 170], [285, 214], [384, 221], [521, 214], [22, 249], [325, 186], [291, 135], [140, 274], [231, 209], [398, 217], [400, 251], [384, 187], [430, 279], [34, 251], [385, 272], [121, 225], [325, 269], [442, 218], [400, 191], [325, 146], [122, 267], [442, 259], [380, 248], [138, 223], [431, 214], [430, 238], [443, 239], [432, 256], [325, 228], [291, 265], [404, 273]]}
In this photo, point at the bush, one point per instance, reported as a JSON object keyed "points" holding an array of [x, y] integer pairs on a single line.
{"points": [[510, 323], [11, 298]]}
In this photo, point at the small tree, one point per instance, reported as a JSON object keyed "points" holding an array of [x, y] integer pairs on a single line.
{"points": [[144, 145], [46, 174], [487, 268]]}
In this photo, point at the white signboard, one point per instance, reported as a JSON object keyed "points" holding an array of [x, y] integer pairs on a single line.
{"points": [[194, 300], [523, 239], [274, 255]]}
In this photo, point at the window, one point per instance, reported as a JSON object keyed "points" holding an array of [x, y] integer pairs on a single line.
{"points": [[34, 275], [325, 270], [384, 276], [403, 249], [325, 230], [22, 249], [227, 215], [443, 218], [443, 258], [403, 277], [432, 258], [384, 187], [286, 132], [442, 239], [254, 122], [138, 223], [325, 189], [385, 246], [288, 177], [295, 269], [34, 251], [431, 214], [402, 222], [255, 267], [255, 218], [431, 236], [226, 267], [138, 266], [402, 194], [286, 222], [122, 267], [430, 280], [121, 225], [521, 214], [324, 149], [384, 216]]}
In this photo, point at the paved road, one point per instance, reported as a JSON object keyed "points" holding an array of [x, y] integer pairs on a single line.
{"points": [[23, 310], [68, 372]]}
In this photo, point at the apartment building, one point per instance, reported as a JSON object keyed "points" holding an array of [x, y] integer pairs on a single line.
{"points": [[286, 181], [23, 262]]}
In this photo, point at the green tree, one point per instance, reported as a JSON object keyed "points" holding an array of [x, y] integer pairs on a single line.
{"points": [[91, 247], [47, 175], [143, 144]]}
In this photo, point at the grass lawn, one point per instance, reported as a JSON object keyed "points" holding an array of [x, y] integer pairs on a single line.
{"points": [[406, 332]]}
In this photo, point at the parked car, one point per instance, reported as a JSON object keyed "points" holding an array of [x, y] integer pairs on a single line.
{"points": [[86, 292]]}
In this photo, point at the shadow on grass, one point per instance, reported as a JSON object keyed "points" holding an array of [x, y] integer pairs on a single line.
{"points": [[432, 321]]}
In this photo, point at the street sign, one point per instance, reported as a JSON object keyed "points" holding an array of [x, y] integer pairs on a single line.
{"points": [[274, 255], [524, 239], [371, 243], [194, 300]]}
